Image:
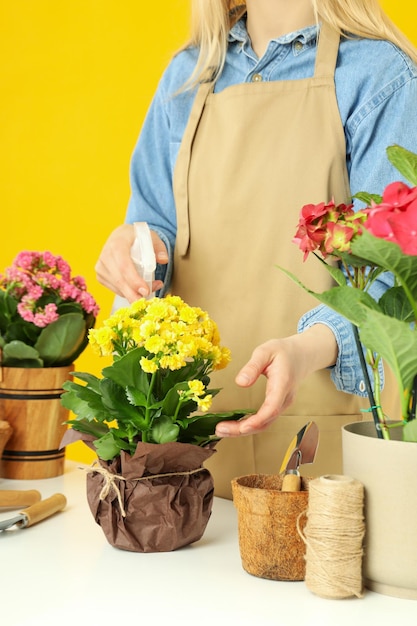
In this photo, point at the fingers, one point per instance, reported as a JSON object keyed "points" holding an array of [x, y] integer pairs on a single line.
{"points": [[259, 361], [285, 363], [160, 250], [276, 401], [267, 359], [115, 269], [271, 360]]}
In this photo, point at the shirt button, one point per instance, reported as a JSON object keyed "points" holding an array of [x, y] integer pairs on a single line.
{"points": [[298, 46], [362, 386], [257, 78]]}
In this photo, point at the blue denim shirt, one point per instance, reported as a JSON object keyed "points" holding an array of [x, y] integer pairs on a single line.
{"points": [[376, 88]]}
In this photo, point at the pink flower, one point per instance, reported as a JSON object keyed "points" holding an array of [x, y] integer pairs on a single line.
{"points": [[399, 195], [25, 260], [338, 237], [404, 229], [63, 268], [46, 316], [395, 219], [326, 228], [79, 282], [36, 275], [67, 291], [88, 303]]}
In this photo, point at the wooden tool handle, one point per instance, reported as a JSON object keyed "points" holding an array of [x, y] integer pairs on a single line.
{"points": [[12, 498], [45, 508], [291, 482]]}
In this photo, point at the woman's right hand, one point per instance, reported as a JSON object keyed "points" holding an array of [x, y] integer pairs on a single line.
{"points": [[115, 269]]}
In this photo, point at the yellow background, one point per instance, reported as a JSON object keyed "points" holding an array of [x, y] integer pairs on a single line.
{"points": [[76, 79]]}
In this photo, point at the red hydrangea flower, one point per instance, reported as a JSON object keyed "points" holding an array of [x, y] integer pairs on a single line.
{"points": [[395, 219]]}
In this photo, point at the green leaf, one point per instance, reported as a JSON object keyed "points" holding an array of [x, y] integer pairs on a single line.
{"points": [[404, 161], [334, 271], [8, 309], [200, 429], [388, 256], [58, 341], [110, 446], [116, 402], [89, 428], [170, 402], [69, 307], [163, 430], [395, 303], [18, 350], [396, 342], [136, 397], [410, 431], [22, 331], [28, 363], [92, 381], [84, 402], [127, 372], [368, 198], [192, 371]]}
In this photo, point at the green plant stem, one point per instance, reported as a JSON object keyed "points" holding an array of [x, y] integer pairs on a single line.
{"points": [[177, 410], [374, 362], [413, 401], [410, 298], [148, 410], [367, 382]]}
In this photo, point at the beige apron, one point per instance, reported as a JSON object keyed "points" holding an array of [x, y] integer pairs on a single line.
{"points": [[251, 157]]}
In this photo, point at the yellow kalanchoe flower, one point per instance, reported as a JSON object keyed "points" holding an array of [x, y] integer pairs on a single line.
{"points": [[204, 403], [155, 344], [163, 354], [167, 327], [197, 387], [149, 366], [101, 340], [172, 362]]}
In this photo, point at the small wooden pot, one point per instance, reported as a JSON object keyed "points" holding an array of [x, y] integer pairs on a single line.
{"points": [[269, 541], [30, 401], [5, 433]]}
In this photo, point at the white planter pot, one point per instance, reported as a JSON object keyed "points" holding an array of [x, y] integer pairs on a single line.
{"points": [[388, 471]]}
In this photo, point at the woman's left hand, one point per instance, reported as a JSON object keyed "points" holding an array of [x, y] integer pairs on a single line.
{"points": [[285, 363]]}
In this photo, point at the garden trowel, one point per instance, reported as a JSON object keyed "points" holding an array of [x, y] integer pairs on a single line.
{"points": [[301, 450], [11, 498], [36, 512]]}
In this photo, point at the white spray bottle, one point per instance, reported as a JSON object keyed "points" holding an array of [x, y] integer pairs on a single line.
{"points": [[143, 257]]}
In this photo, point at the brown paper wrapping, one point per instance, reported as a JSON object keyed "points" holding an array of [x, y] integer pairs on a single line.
{"points": [[141, 510], [269, 542]]}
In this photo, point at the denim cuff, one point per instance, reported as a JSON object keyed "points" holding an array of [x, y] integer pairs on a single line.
{"points": [[346, 374], [164, 272]]}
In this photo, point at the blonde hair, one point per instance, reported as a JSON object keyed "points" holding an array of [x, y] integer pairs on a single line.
{"points": [[211, 21]]}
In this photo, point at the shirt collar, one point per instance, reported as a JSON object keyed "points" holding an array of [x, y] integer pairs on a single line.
{"points": [[239, 33]]}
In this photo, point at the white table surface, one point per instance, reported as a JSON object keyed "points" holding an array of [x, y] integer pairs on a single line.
{"points": [[62, 570]]}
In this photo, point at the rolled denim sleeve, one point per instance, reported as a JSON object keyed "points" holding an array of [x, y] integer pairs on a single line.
{"points": [[347, 373]]}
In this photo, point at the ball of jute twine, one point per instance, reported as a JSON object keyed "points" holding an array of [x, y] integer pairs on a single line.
{"points": [[333, 535]]}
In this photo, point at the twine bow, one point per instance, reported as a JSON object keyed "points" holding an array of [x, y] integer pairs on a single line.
{"points": [[110, 481], [109, 484]]}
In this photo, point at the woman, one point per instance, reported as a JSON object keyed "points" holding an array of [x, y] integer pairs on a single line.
{"points": [[274, 104]]}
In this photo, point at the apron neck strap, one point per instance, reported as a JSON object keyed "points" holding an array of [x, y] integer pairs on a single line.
{"points": [[180, 180], [327, 51]]}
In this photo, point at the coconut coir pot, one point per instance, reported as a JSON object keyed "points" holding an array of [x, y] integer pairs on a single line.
{"points": [[269, 541]]}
